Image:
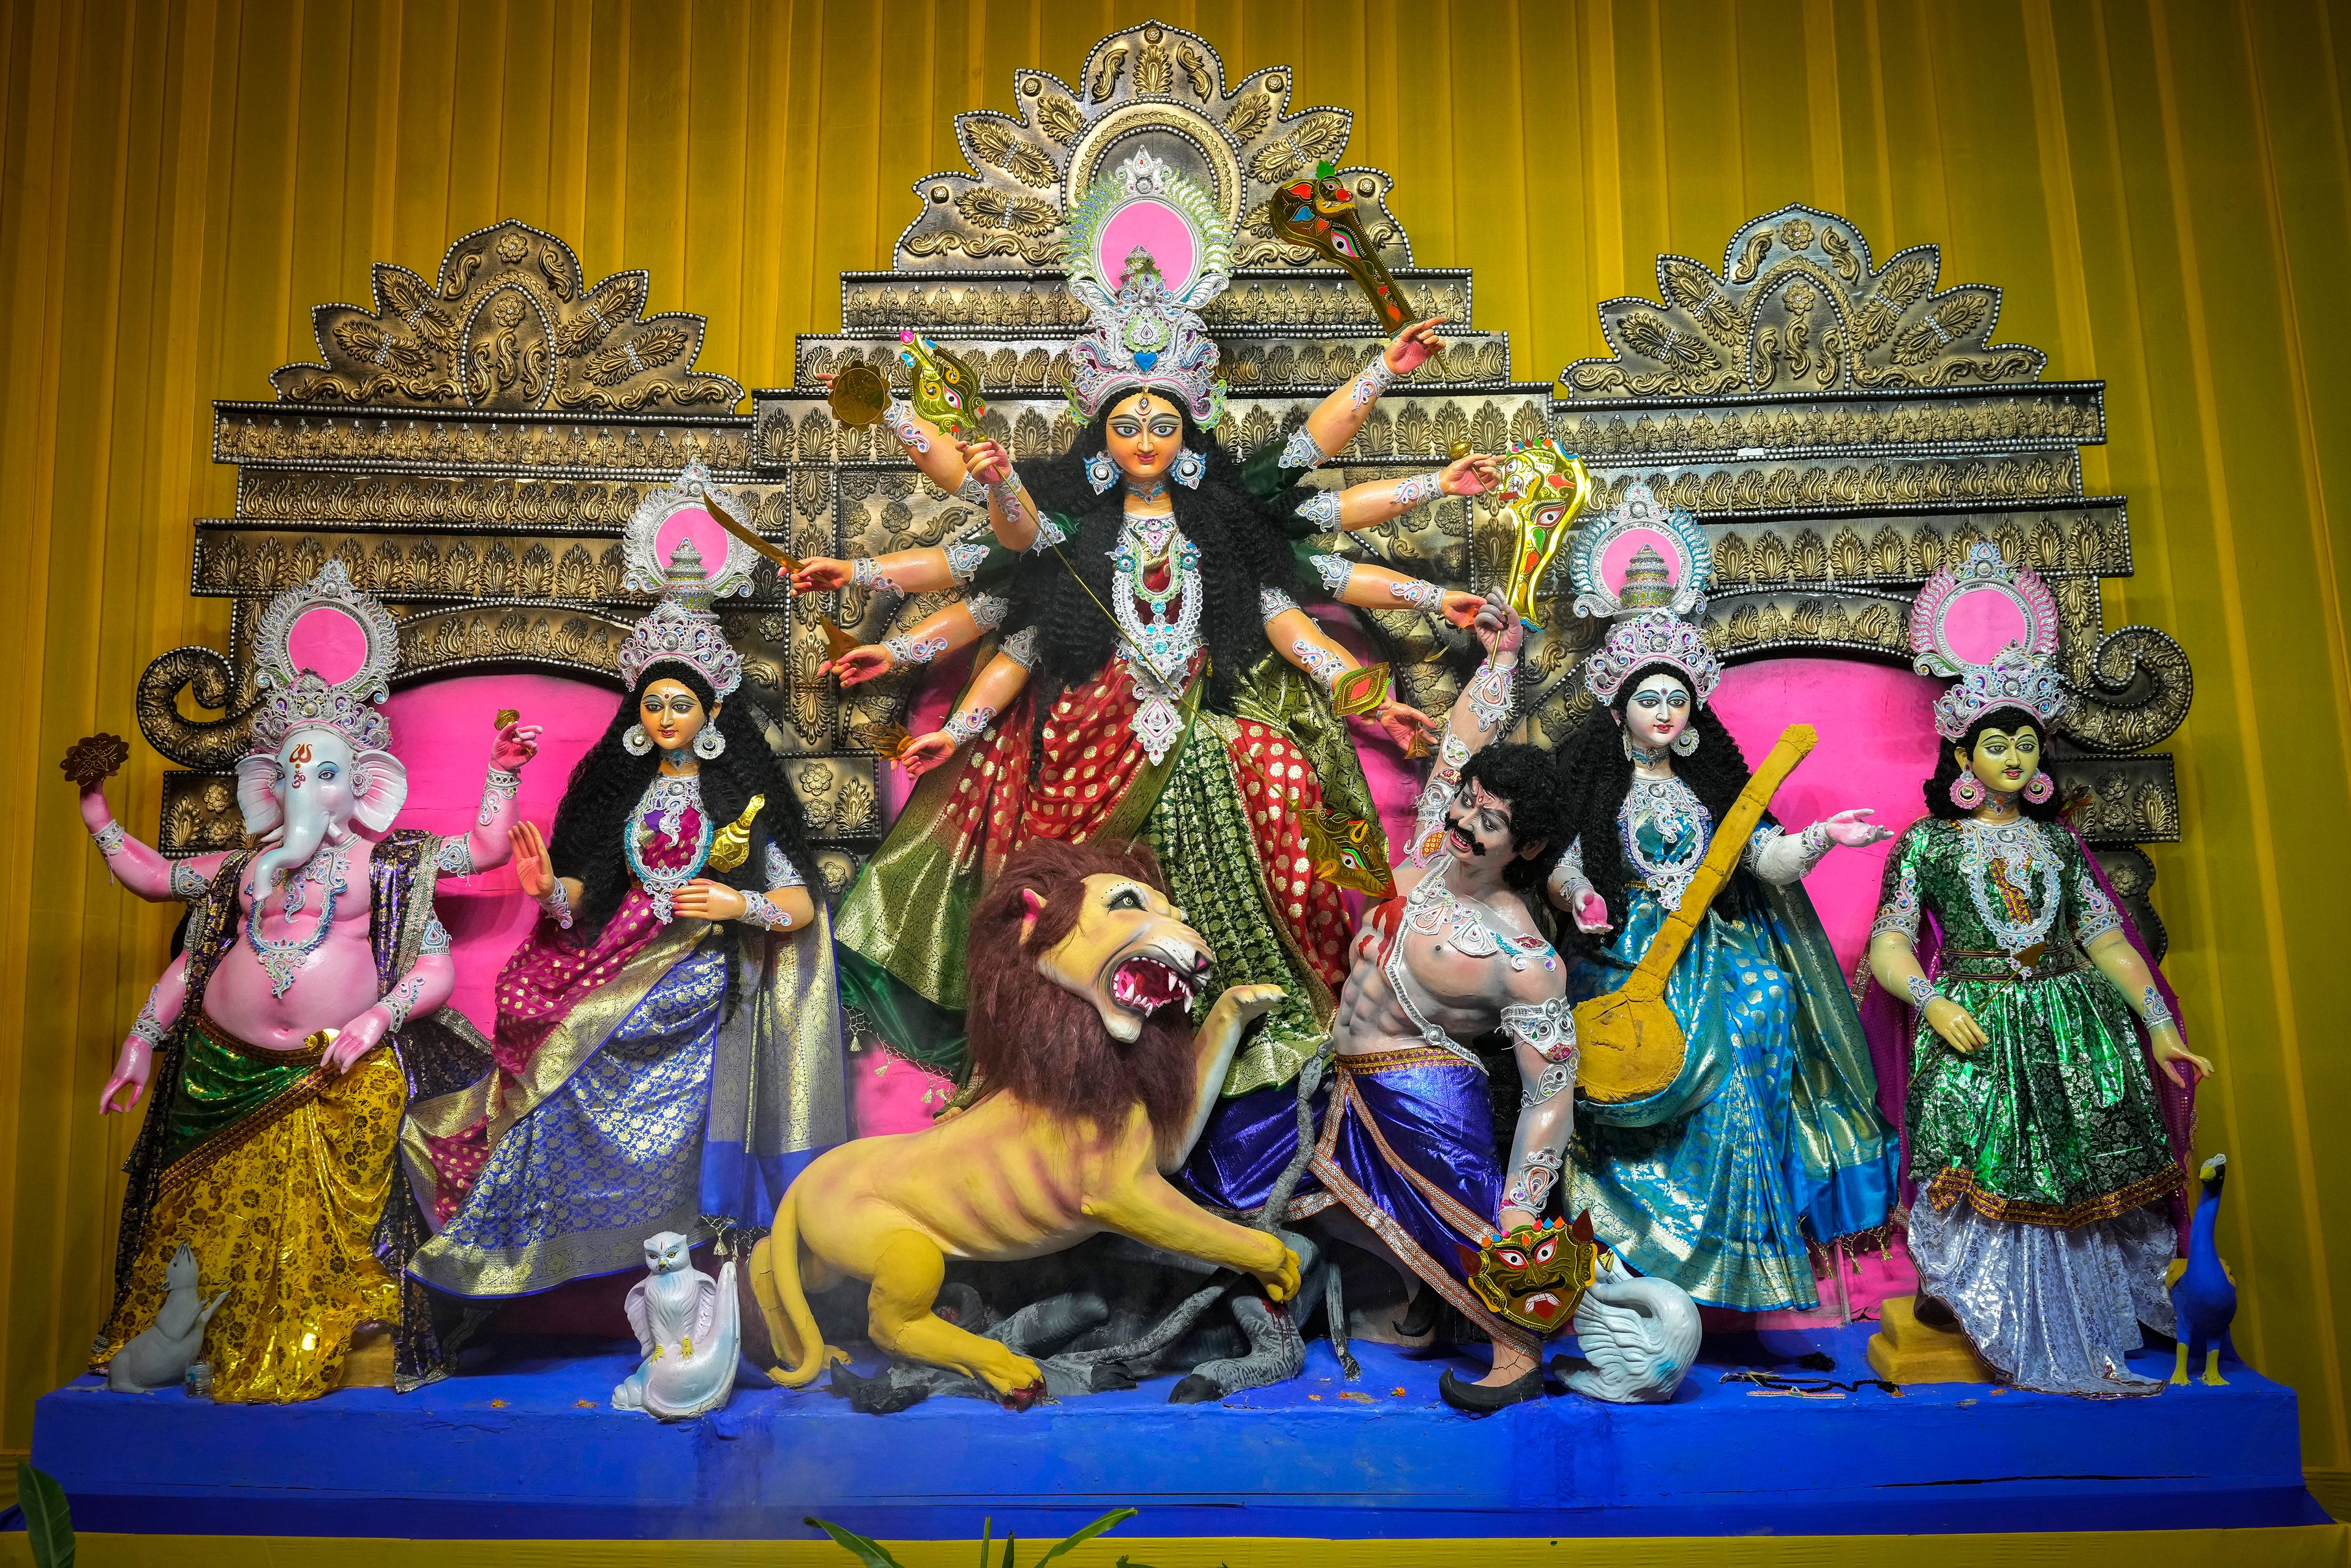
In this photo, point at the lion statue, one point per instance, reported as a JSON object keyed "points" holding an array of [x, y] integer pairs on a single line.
{"points": [[1097, 1087]]}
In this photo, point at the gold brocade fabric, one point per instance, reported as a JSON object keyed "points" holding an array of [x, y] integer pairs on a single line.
{"points": [[280, 1210]]}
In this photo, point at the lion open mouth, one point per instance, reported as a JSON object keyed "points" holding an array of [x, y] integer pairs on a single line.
{"points": [[1145, 985]]}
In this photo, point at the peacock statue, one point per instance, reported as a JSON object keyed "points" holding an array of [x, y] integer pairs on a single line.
{"points": [[2203, 1292]]}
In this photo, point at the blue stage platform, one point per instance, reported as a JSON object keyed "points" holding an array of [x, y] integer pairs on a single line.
{"points": [[525, 1446]]}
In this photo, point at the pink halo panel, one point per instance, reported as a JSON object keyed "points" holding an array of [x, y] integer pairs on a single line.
{"points": [[1983, 621], [1621, 550], [1157, 228], [711, 539], [329, 641]]}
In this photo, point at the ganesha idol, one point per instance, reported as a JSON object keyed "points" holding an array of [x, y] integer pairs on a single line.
{"points": [[284, 1043]]}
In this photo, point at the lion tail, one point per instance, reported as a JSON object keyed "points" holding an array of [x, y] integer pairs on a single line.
{"points": [[776, 1281]]}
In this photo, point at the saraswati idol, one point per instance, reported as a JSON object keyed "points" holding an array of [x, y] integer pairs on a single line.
{"points": [[1155, 676], [668, 1045]]}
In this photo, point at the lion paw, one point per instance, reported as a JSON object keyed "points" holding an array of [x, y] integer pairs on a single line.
{"points": [[1281, 1282], [1243, 1004], [1018, 1383]]}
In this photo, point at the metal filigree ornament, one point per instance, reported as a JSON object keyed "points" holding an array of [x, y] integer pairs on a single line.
{"points": [[1544, 489], [1601, 563], [681, 629], [1995, 628], [1146, 251]]}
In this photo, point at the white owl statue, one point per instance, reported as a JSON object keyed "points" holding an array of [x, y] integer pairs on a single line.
{"points": [[689, 1330], [1639, 1334]]}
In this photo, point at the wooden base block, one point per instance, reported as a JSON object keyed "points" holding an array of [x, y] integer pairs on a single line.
{"points": [[1904, 1350], [369, 1366]]}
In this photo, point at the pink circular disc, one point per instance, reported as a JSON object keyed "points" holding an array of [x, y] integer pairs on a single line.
{"points": [[329, 641], [1625, 546], [694, 523], [1157, 229], [1979, 623]]}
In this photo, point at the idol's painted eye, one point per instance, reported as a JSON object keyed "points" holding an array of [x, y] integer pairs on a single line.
{"points": [[329, 772], [1543, 1252], [1515, 1260], [1124, 898], [1677, 699], [1342, 242]]}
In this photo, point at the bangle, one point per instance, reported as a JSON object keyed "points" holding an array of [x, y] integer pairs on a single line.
{"points": [[1321, 508], [1420, 595], [964, 557], [498, 787], [908, 649], [145, 1027], [900, 418], [865, 571], [1320, 662], [2153, 1012], [1302, 450], [760, 910], [108, 837], [1372, 379], [1006, 492], [1816, 842], [1410, 493], [398, 1000], [1921, 993], [189, 885], [969, 724], [987, 611], [557, 903]]}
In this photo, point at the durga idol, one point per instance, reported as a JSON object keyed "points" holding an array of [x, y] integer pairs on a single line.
{"points": [[1156, 677]]}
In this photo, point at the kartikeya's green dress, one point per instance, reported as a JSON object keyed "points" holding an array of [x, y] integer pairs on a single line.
{"points": [[2041, 1156]]}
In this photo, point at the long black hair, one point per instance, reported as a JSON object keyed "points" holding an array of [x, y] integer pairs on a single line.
{"points": [[1598, 774], [606, 786], [1946, 766], [1244, 546]]}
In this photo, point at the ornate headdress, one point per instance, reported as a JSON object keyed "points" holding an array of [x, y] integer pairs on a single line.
{"points": [[1646, 564], [323, 657], [1994, 627], [1656, 638], [1146, 250], [670, 536]]}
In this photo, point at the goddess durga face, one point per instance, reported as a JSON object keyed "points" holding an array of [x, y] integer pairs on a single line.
{"points": [[1145, 431]]}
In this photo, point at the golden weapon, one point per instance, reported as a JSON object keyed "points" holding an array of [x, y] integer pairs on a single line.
{"points": [[731, 845], [1631, 1046], [1318, 212], [1544, 489]]}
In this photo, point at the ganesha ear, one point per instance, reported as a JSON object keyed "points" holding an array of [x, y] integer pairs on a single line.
{"points": [[257, 793], [381, 784], [1032, 907]]}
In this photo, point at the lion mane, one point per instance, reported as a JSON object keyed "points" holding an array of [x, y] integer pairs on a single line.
{"points": [[1045, 1044]]}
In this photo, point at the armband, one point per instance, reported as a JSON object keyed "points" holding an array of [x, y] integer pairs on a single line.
{"points": [[1410, 493], [108, 839], [760, 910], [1302, 451], [1319, 662], [1020, 647], [1371, 381], [964, 557], [1420, 595], [969, 724], [900, 417], [1321, 508], [498, 787], [906, 649], [987, 611], [1272, 601], [1336, 571]]}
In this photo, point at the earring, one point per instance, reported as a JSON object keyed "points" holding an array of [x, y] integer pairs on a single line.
{"points": [[2040, 788], [1686, 742], [1100, 472], [1967, 790], [1624, 739], [1187, 468], [635, 741], [710, 743]]}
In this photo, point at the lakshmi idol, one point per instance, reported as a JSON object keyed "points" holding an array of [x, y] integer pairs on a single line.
{"points": [[1769, 1132], [307, 1008], [1155, 677], [2036, 1130], [668, 1042]]}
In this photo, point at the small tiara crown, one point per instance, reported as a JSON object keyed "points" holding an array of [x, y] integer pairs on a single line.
{"points": [[680, 630], [1654, 638], [308, 702], [2014, 680]]}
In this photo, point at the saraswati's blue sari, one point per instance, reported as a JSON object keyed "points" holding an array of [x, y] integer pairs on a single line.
{"points": [[1770, 1133]]}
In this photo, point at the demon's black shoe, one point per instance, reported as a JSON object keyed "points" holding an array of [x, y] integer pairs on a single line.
{"points": [[1476, 1399]]}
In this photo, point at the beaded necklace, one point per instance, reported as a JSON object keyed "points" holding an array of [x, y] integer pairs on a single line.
{"points": [[281, 959]]}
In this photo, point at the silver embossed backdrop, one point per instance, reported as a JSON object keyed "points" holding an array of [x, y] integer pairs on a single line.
{"points": [[470, 445]]}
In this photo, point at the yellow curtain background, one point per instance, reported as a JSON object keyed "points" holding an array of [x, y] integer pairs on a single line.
{"points": [[2162, 187]]}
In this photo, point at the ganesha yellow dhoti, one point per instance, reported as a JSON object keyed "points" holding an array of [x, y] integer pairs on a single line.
{"points": [[276, 1172]]}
